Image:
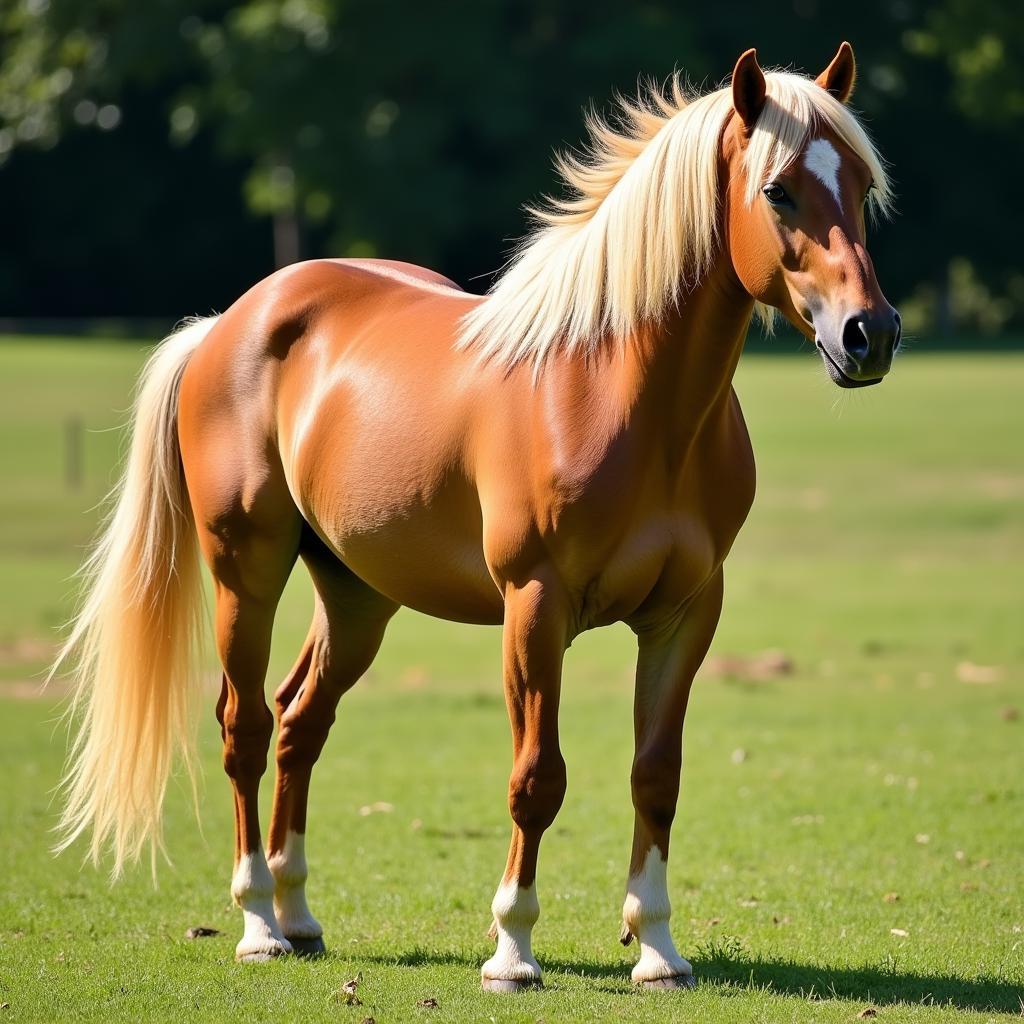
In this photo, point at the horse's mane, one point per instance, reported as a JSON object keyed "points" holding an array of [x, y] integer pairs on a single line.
{"points": [[641, 221]]}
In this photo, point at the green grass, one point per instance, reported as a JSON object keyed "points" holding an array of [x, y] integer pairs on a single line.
{"points": [[884, 551]]}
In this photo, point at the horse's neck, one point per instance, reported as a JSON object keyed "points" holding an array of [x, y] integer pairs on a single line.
{"points": [[687, 363], [662, 385]]}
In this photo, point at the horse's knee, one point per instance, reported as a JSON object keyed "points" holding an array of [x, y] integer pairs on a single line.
{"points": [[536, 789], [655, 785], [246, 740], [222, 704], [302, 737]]}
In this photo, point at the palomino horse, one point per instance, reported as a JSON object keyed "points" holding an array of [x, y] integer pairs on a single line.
{"points": [[564, 453]]}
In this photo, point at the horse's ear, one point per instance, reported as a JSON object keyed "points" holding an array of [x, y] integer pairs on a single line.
{"points": [[748, 88], [839, 77]]}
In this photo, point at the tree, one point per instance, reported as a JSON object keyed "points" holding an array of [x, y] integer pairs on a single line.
{"points": [[418, 131]]}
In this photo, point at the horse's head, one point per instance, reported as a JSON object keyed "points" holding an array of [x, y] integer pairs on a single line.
{"points": [[799, 184]]}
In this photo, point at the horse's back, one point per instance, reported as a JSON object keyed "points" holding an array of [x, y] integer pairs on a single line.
{"points": [[321, 308]]}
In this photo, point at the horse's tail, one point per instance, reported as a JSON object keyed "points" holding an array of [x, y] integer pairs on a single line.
{"points": [[134, 640]]}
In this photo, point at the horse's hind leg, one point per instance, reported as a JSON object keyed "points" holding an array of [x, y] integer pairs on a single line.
{"points": [[347, 630], [249, 531]]}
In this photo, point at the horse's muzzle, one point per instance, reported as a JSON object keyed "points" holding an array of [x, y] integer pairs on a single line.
{"points": [[866, 345]]}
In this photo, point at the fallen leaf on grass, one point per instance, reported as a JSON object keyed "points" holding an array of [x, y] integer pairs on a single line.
{"points": [[1009, 714], [978, 675], [899, 932], [752, 902], [968, 886], [201, 932], [922, 838], [739, 755], [891, 897], [427, 1004], [347, 993], [867, 1013]]}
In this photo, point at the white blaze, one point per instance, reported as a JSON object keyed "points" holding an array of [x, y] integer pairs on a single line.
{"points": [[822, 160]]}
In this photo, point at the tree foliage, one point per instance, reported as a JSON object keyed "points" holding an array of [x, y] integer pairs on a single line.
{"points": [[418, 131]]}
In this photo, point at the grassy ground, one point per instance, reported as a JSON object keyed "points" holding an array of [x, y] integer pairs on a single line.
{"points": [[876, 788]]}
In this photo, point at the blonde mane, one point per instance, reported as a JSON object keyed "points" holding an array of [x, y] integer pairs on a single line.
{"points": [[641, 221]]}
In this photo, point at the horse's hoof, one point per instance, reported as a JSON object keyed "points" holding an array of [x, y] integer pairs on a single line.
{"points": [[258, 958], [663, 984], [510, 984], [308, 947], [263, 952]]}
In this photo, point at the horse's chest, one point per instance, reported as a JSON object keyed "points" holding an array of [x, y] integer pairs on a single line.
{"points": [[656, 567], [677, 538]]}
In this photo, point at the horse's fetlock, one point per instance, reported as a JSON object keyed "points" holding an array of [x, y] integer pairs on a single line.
{"points": [[252, 880]]}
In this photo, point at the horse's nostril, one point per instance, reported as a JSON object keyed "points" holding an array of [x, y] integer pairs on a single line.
{"points": [[855, 340], [899, 332]]}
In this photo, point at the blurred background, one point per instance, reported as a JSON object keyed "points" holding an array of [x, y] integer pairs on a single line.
{"points": [[158, 158]]}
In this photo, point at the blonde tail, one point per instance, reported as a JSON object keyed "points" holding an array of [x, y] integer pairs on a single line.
{"points": [[134, 640]]}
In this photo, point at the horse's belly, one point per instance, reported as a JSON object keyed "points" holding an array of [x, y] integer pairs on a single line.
{"points": [[425, 568], [422, 550]]}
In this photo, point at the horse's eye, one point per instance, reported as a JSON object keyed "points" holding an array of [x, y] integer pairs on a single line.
{"points": [[775, 194]]}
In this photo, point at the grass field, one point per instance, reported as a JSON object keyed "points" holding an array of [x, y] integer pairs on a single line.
{"points": [[850, 835]]}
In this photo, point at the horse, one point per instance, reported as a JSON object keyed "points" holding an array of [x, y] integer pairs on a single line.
{"points": [[560, 454]]}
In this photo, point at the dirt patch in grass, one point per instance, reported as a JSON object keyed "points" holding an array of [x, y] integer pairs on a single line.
{"points": [[33, 689], [26, 650]]}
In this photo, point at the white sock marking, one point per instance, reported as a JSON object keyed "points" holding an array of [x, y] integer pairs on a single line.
{"points": [[515, 913], [646, 913], [288, 867], [822, 160], [252, 889]]}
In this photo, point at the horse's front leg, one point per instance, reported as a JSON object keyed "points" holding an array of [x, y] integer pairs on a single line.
{"points": [[669, 656], [535, 638]]}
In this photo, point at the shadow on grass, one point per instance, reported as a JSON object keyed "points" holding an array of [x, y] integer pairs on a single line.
{"points": [[728, 966], [881, 983]]}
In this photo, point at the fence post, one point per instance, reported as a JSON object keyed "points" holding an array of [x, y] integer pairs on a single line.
{"points": [[73, 452]]}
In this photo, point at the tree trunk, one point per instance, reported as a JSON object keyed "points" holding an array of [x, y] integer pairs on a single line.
{"points": [[287, 238]]}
